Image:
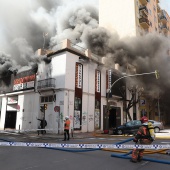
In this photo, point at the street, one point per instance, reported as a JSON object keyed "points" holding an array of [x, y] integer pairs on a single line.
{"points": [[25, 158]]}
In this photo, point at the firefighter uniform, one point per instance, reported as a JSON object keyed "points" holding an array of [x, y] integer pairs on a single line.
{"points": [[145, 135]]}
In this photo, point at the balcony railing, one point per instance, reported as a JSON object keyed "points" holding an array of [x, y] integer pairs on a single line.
{"points": [[163, 18], [143, 2], [144, 22], [164, 28], [144, 9], [158, 8], [46, 84]]}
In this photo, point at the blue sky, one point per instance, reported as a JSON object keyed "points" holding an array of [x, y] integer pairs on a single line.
{"points": [[165, 4]]}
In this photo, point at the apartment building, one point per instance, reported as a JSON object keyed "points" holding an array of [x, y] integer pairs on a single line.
{"points": [[133, 17]]}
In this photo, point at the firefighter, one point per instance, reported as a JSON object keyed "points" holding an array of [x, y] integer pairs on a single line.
{"points": [[66, 128], [145, 135]]}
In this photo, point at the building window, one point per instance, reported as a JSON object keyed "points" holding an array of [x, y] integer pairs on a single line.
{"points": [[154, 8], [151, 24], [155, 19], [48, 99]]}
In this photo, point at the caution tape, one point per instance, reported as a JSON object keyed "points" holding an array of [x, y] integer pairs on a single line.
{"points": [[85, 146]]}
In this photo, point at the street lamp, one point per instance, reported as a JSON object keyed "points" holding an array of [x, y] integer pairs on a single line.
{"points": [[125, 76]]}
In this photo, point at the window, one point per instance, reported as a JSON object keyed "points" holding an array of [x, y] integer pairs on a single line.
{"points": [[154, 8], [151, 24], [47, 99], [77, 103], [129, 123]]}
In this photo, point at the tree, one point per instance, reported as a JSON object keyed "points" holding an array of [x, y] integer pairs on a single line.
{"points": [[135, 93]]}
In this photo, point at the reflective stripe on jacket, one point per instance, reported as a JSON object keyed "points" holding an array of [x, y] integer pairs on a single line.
{"points": [[67, 125], [143, 133]]}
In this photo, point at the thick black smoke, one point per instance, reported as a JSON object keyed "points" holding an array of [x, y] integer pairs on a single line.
{"points": [[29, 25]]}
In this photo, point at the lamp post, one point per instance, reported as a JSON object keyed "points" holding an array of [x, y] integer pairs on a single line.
{"points": [[134, 75]]}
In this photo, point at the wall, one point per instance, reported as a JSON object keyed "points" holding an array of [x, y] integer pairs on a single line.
{"points": [[3, 113], [114, 13]]}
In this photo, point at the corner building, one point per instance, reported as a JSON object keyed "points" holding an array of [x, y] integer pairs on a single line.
{"points": [[70, 81]]}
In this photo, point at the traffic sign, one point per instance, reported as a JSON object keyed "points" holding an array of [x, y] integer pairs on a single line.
{"points": [[57, 108]]}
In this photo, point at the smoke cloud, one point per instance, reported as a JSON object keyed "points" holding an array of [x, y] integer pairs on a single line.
{"points": [[26, 26]]}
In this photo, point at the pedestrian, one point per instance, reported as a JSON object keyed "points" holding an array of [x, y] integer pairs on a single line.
{"points": [[43, 124], [145, 135], [144, 118], [66, 128]]}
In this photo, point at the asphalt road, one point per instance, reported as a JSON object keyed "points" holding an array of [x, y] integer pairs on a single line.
{"points": [[28, 158]]}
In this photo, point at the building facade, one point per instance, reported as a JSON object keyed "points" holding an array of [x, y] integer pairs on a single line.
{"points": [[70, 82], [133, 17]]}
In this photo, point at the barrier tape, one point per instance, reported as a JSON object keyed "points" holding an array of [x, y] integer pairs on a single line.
{"points": [[85, 146]]}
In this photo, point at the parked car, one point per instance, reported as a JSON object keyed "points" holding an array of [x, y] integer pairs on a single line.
{"points": [[157, 125], [132, 127]]}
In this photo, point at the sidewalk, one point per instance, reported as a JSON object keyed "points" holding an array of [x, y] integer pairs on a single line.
{"points": [[163, 134]]}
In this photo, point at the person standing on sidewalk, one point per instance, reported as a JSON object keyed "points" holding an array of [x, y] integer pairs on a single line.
{"points": [[66, 128], [43, 124]]}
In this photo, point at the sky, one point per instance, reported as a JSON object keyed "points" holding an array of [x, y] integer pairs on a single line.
{"points": [[165, 4]]}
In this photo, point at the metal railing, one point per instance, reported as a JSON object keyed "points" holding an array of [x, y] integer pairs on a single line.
{"points": [[141, 20], [46, 83]]}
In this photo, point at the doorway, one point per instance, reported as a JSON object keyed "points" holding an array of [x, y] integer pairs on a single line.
{"points": [[112, 118], [10, 120]]}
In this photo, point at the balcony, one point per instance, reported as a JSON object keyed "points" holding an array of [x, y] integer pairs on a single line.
{"points": [[144, 22], [158, 8], [163, 19], [143, 2], [46, 84], [164, 28], [143, 10]]}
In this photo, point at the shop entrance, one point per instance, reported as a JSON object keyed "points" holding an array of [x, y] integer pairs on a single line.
{"points": [[112, 118], [10, 120]]}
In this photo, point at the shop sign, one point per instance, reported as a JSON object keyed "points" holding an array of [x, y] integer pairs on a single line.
{"points": [[24, 83], [108, 80], [97, 81], [78, 80]]}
